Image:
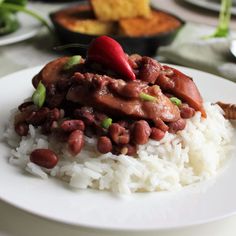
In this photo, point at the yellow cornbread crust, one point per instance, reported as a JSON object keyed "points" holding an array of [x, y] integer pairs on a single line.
{"points": [[112, 10], [159, 22], [81, 19]]}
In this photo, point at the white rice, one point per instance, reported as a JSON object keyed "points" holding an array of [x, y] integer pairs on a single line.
{"points": [[190, 156]]}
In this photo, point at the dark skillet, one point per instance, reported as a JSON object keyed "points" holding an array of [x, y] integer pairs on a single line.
{"points": [[146, 45]]}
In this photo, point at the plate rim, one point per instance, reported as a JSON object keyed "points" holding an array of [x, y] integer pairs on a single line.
{"points": [[214, 6]]}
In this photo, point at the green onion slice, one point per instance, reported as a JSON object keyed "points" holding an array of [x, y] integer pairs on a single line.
{"points": [[147, 97], [74, 60], [106, 123], [223, 27], [39, 95], [176, 101]]}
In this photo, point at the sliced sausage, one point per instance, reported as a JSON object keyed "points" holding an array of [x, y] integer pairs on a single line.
{"points": [[183, 87]]}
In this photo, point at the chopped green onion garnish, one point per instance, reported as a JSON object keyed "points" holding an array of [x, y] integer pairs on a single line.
{"points": [[147, 97], [39, 95], [106, 123], [72, 61], [222, 29], [176, 101]]}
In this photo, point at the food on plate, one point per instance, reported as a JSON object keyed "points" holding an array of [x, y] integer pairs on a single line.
{"points": [[118, 122], [113, 10], [159, 22], [82, 19]]}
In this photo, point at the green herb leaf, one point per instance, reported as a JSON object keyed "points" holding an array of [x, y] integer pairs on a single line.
{"points": [[8, 22], [106, 123], [176, 101], [39, 95], [147, 97], [4, 5], [74, 60], [17, 2]]}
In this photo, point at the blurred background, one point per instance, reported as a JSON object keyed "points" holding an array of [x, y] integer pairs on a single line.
{"points": [[171, 22], [184, 32]]}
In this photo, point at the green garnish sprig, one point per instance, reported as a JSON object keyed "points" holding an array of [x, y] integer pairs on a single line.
{"points": [[222, 29], [72, 61], [39, 95], [106, 123], [176, 101], [147, 97]]}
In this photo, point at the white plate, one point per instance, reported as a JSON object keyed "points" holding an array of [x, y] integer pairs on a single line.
{"points": [[211, 5], [54, 200], [29, 27]]}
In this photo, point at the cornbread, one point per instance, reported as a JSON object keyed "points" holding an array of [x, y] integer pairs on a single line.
{"points": [[81, 19], [93, 27], [159, 22], [119, 9]]}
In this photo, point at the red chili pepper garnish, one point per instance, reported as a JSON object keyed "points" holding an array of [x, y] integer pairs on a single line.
{"points": [[108, 52]]}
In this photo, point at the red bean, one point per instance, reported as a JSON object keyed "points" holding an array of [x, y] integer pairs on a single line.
{"points": [[135, 60], [104, 144], [186, 112], [54, 114], [177, 125], [119, 134], [24, 106], [85, 114], [76, 142], [165, 82], [157, 134], [150, 70], [141, 132], [128, 149], [132, 150], [71, 125], [38, 117], [22, 129], [44, 158], [161, 125], [21, 117]]}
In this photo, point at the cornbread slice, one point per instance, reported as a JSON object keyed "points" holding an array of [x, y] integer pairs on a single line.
{"points": [[93, 27], [159, 22], [81, 19], [118, 9]]}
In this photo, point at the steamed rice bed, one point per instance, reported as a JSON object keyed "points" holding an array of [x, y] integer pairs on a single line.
{"points": [[189, 156]]}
